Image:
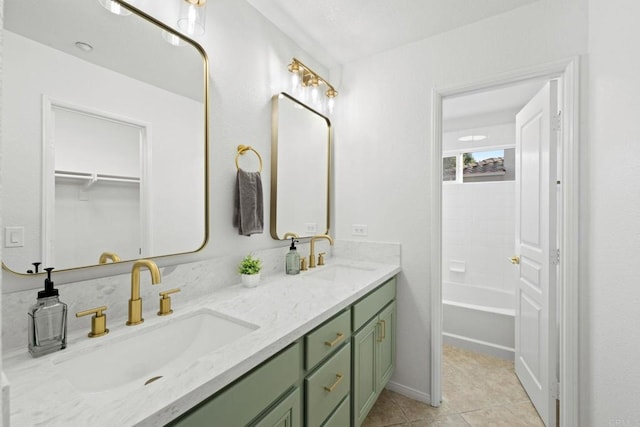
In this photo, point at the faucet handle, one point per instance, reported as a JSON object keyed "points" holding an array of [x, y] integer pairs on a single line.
{"points": [[98, 321], [321, 258], [165, 302], [303, 264]]}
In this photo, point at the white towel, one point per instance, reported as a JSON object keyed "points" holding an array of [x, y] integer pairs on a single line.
{"points": [[248, 207]]}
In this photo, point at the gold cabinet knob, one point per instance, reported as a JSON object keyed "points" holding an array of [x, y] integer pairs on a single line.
{"points": [[165, 302], [321, 258], [514, 259], [98, 321]]}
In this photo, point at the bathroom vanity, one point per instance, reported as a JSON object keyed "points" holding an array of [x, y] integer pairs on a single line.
{"points": [[314, 349]]}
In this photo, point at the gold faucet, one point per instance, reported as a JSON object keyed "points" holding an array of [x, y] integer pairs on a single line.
{"points": [[290, 234], [105, 256], [312, 255], [135, 303]]}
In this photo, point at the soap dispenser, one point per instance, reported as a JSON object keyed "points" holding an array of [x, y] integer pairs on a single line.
{"points": [[292, 263], [47, 321]]}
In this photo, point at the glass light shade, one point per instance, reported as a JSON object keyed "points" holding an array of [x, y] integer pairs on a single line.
{"points": [[193, 17], [172, 38], [115, 8]]}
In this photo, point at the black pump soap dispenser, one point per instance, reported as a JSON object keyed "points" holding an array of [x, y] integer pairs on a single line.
{"points": [[47, 321], [292, 262]]}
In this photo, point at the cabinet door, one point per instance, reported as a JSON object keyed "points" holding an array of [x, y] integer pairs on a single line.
{"points": [[286, 414], [364, 370], [386, 342]]}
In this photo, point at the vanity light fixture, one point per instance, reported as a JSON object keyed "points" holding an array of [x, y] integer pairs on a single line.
{"points": [[114, 7], [193, 17], [306, 77]]}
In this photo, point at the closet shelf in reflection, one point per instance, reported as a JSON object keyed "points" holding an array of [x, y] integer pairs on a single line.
{"points": [[90, 179]]}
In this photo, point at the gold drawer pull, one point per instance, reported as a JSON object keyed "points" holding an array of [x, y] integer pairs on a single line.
{"points": [[339, 337], [384, 329], [338, 379]]}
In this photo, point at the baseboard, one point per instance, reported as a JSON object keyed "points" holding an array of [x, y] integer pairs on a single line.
{"points": [[409, 392], [479, 346]]}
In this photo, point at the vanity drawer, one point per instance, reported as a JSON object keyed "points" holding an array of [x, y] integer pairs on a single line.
{"points": [[341, 417], [326, 387], [370, 305], [325, 339], [241, 402]]}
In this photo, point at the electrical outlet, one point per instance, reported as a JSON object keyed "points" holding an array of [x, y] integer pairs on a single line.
{"points": [[311, 227], [359, 230]]}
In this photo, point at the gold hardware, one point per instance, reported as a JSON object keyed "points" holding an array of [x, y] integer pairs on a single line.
{"points": [[243, 149], [290, 234], [383, 326], [303, 264], [321, 258], [339, 337], [379, 327], [335, 384], [165, 302], [98, 321], [514, 259], [135, 303], [105, 256], [310, 77], [312, 255]]}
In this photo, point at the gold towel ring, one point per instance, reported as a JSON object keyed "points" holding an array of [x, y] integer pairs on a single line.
{"points": [[243, 149]]}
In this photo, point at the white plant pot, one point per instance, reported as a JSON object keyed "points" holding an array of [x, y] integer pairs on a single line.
{"points": [[250, 280]]}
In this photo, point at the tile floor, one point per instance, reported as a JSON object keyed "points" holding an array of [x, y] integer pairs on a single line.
{"points": [[478, 390]]}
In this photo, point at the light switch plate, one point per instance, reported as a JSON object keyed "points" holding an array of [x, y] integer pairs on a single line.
{"points": [[13, 237]]}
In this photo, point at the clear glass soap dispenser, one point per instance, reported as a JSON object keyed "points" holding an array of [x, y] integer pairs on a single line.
{"points": [[292, 261], [47, 321]]}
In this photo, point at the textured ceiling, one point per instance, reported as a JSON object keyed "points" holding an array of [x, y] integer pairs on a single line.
{"points": [[339, 31]]}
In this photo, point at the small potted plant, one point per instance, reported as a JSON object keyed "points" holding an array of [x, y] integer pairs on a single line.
{"points": [[249, 269]]}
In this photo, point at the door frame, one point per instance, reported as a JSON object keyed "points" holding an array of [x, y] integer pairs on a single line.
{"points": [[568, 225], [48, 168]]}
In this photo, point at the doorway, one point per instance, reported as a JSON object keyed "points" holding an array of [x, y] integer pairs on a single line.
{"points": [[566, 72]]}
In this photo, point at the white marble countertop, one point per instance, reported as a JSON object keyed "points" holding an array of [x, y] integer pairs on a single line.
{"points": [[283, 307]]}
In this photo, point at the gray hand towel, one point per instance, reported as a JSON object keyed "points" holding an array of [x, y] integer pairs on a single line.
{"points": [[248, 207]]}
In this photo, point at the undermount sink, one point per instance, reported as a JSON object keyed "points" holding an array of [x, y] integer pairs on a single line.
{"points": [[142, 358]]}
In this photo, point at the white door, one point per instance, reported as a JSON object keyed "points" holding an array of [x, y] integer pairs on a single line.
{"points": [[536, 348]]}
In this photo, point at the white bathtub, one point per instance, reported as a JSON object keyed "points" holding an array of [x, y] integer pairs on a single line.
{"points": [[479, 319]]}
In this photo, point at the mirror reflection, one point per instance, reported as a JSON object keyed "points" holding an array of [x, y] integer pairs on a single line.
{"points": [[104, 128], [300, 155]]}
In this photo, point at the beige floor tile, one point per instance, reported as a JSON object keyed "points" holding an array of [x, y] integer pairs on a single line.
{"points": [[455, 420], [417, 411], [526, 412], [498, 416], [478, 390], [385, 412]]}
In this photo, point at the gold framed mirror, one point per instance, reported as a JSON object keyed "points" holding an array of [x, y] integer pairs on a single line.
{"points": [[300, 169], [105, 136]]}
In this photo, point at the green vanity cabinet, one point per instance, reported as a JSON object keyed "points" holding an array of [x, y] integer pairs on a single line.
{"points": [[373, 348], [331, 377], [288, 413], [244, 400]]}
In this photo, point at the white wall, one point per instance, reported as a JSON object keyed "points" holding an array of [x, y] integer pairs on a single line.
{"points": [[383, 144], [610, 293]]}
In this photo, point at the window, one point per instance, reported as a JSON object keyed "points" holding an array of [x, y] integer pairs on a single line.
{"points": [[480, 166]]}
